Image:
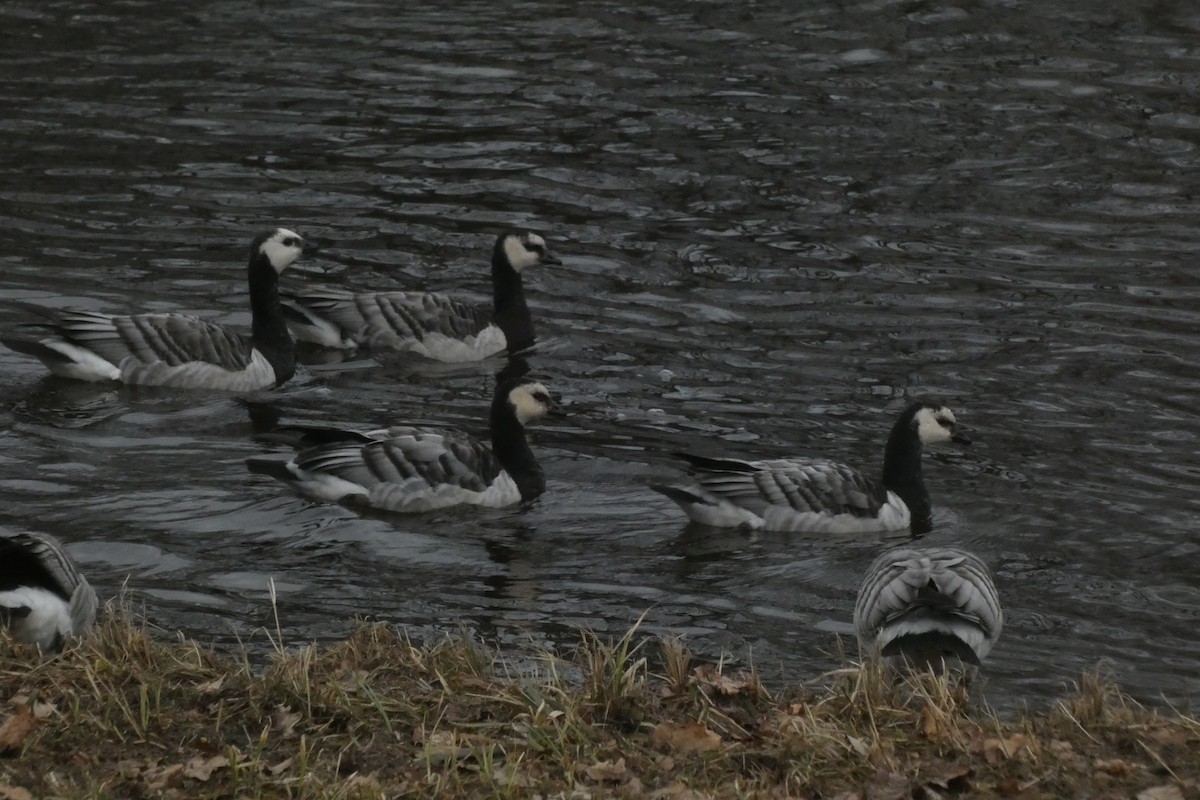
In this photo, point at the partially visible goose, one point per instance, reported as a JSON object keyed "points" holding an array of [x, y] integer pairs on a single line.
{"points": [[818, 495], [927, 607], [410, 469], [43, 598], [429, 324], [175, 349]]}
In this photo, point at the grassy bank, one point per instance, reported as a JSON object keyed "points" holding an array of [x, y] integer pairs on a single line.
{"points": [[127, 714]]}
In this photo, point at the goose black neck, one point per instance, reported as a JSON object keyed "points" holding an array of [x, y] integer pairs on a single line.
{"points": [[269, 331], [509, 310], [902, 472], [512, 450]]}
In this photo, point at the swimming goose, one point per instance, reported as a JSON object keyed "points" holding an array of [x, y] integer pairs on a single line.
{"points": [[175, 349], [43, 598], [928, 606], [410, 469], [818, 495], [429, 324]]}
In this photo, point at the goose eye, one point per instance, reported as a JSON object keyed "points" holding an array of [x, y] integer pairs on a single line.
{"points": [[290, 242], [542, 398]]}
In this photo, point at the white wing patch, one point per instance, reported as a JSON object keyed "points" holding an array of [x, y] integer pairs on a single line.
{"points": [[84, 365]]}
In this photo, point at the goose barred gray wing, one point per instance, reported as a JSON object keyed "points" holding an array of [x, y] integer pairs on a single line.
{"points": [[806, 485], [922, 604], [43, 598], [407, 453], [173, 339], [408, 469], [380, 320]]}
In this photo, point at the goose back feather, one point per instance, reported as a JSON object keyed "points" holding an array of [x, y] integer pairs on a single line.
{"points": [[928, 605]]}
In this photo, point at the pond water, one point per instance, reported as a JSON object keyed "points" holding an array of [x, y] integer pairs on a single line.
{"points": [[778, 226]]}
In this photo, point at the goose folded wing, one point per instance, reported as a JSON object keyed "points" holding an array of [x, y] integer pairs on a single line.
{"points": [[806, 485], [177, 339], [437, 459], [391, 315]]}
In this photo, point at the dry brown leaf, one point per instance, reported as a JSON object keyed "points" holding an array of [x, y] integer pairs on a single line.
{"points": [[951, 777], [690, 738], [158, 778], [1008, 787], [201, 768], [1114, 766], [613, 771], [888, 786], [675, 791], [709, 675], [997, 750], [16, 729], [275, 770], [930, 725], [1167, 791], [42, 709], [14, 793], [211, 687], [284, 720]]}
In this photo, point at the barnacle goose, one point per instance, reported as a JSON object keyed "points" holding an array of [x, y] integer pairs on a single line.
{"points": [[431, 325], [818, 495], [43, 598], [175, 349], [927, 607], [409, 469]]}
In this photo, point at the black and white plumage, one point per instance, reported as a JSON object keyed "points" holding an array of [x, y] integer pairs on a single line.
{"points": [[409, 469], [431, 325], [818, 495], [176, 349], [43, 598], [927, 607]]}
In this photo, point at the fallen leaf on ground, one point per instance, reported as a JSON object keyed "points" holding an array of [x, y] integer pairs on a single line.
{"points": [[690, 738], [158, 778], [16, 729], [931, 726], [709, 675], [888, 786], [210, 687], [676, 791], [201, 768], [284, 720], [614, 771], [1165, 792], [950, 777], [1115, 766], [997, 750], [275, 770], [14, 793]]}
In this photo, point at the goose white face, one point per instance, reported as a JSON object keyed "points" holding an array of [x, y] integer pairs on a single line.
{"points": [[524, 250], [530, 401], [282, 248], [935, 425]]}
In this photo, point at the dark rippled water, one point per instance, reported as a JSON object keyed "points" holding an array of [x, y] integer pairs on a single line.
{"points": [[778, 225]]}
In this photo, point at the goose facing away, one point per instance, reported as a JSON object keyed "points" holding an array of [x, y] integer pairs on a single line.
{"points": [[818, 495], [407, 469], [43, 598], [431, 325], [176, 349], [928, 607]]}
